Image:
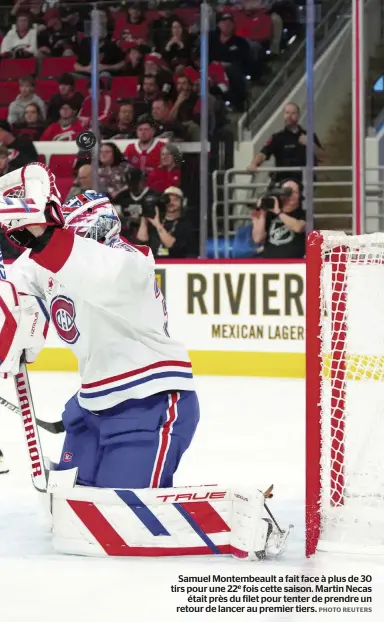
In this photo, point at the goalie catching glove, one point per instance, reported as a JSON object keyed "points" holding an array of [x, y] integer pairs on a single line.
{"points": [[41, 207], [23, 327]]}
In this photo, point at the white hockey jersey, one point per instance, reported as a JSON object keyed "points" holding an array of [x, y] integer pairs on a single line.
{"points": [[106, 306]]}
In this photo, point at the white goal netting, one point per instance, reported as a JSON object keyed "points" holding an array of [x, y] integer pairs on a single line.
{"points": [[352, 394]]}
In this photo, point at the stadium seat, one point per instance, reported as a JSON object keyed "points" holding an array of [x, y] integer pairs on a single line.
{"points": [[14, 68], [51, 67], [3, 112], [81, 85], [62, 164], [46, 88], [124, 87], [8, 92], [64, 185]]}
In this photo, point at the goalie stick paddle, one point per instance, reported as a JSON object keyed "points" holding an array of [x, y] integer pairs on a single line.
{"points": [[55, 427], [28, 417]]}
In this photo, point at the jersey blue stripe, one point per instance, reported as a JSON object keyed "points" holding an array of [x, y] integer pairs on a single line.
{"points": [[142, 512], [135, 383], [43, 308], [197, 529]]}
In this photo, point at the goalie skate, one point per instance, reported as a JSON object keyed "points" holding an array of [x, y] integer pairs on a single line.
{"points": [[3, 467]]}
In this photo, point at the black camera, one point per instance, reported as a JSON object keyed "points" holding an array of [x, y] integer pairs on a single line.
{"points": [[151, 201], [267, 202]]}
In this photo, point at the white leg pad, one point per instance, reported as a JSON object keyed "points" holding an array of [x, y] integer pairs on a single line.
{"points": [[201, 520]]}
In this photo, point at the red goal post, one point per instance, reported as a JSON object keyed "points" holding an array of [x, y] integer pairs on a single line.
{"points": [[345, 393]]}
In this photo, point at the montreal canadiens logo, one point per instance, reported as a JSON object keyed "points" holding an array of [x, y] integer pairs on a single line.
{"points": [[67, 457], [63, 316]]}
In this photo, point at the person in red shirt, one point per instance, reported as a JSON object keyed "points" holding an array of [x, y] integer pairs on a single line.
{"points": [[145, 153], [105, 105], [66, 128], [134, 29], [168, 173]]}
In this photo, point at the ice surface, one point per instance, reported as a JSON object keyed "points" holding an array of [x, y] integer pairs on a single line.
{"points": [[251, 431]]}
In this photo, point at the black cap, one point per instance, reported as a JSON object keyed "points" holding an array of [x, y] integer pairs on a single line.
{"points": [[86, 140]]}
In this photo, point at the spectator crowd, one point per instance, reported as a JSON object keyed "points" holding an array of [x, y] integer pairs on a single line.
{"points": [[149, 90]]}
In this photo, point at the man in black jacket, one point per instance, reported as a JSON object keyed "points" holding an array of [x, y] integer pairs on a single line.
{"points": [[234, 52]]}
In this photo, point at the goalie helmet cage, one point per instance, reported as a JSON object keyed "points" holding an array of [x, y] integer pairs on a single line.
{"points": [[345, 393]]}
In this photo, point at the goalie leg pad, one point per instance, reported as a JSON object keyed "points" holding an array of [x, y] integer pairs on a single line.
{"points": [[137, 444], [204, 520]]}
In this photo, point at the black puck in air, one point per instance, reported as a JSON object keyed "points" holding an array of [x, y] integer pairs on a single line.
{"points": [[86, 140]]}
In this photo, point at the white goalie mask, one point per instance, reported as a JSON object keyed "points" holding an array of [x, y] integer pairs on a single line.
{"points": [[91, 215]]}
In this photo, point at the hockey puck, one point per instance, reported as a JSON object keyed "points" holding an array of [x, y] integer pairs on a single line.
{"points": [[86, 140]]}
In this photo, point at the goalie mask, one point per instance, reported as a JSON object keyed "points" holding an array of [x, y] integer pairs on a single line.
{"points": [[91, 215]]}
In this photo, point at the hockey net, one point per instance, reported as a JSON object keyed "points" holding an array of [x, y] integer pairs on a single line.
{"points": [[345, 393]]}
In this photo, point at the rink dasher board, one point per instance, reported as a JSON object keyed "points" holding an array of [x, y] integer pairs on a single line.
{"points": [[241, 318]]}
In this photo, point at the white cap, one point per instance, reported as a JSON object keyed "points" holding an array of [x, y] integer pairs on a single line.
{"points": [[174, 190]]}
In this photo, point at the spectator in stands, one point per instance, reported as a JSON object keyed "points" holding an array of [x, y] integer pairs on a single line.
{"points": [[134, 29], [33, 124], [66, 95], [148, 92], [37, 10], [134, 61], [165, 126], [170, 235], [288, 146], [234, 52], [21, 150], [168, 173], [282, 228], [244, 246], [145, 154], [105, 105], [67, 127], [160, 29], [178, 47], [83, 181], [155, 65], [111, 57], [184, 109], [124, 126], [58, 38], [26, 96], [112, 169], [21, 40]]}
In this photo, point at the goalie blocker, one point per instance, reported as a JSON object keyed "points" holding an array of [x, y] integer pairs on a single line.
{"points": [[202, 520]]}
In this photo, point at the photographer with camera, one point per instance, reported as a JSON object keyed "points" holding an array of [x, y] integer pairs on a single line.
{"points": [[166, 230], [279, 222]]}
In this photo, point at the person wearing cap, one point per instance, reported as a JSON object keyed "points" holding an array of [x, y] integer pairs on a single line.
{"points": [[226, 47], [168, 235], [26, 96], [58, 38], [67, 95], [66, 128], [155, 65], [168, 173]]}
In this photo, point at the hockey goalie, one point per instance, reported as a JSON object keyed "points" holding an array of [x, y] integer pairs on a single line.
{"points": [[136, 411]]}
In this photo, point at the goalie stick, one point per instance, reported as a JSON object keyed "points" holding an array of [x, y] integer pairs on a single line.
{"points": [[54, 427], [28, 417]]}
